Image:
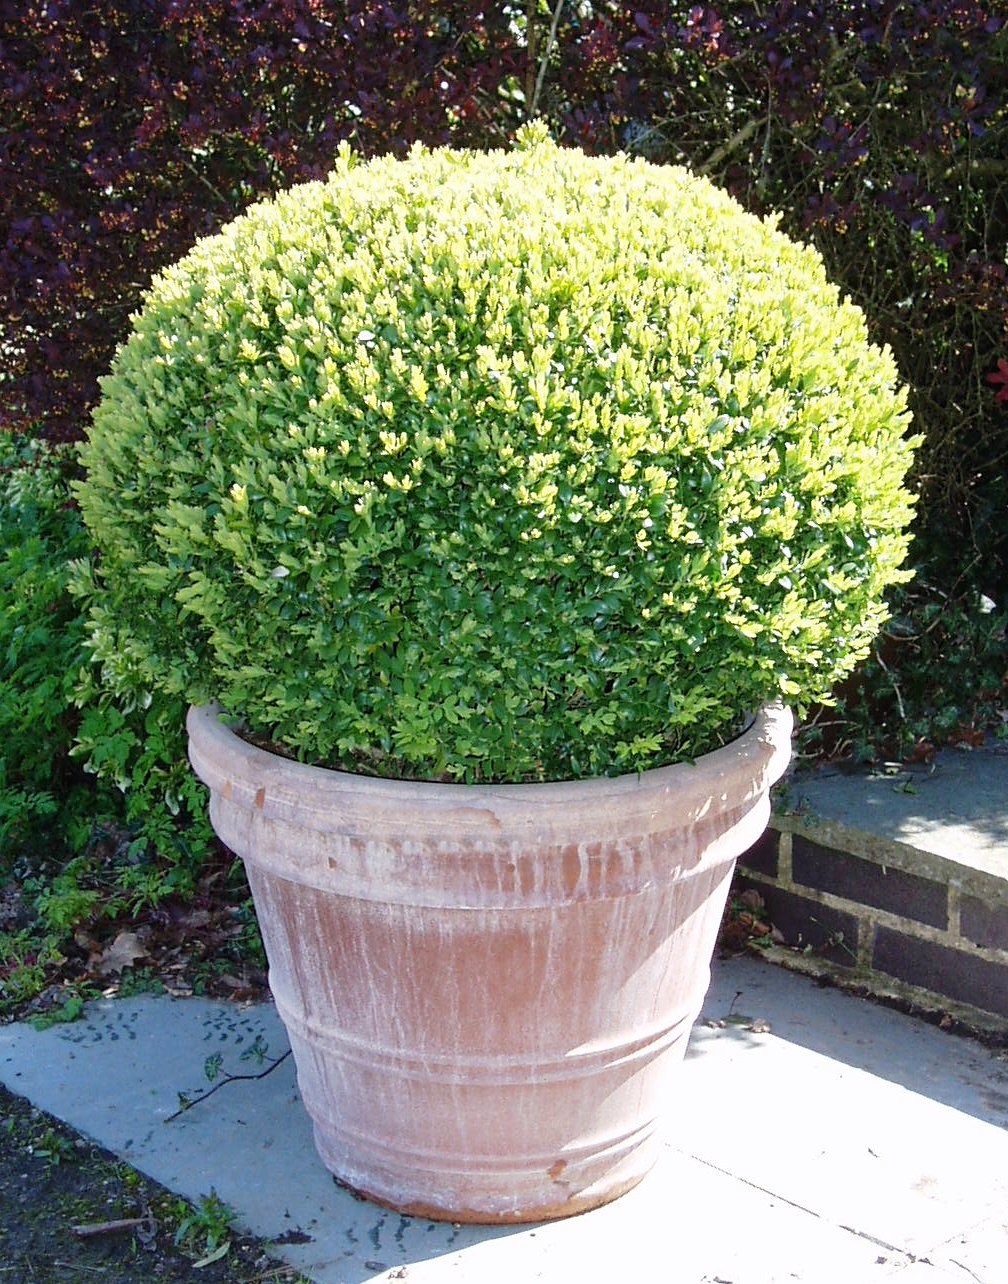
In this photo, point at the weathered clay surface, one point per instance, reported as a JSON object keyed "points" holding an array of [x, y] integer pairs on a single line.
{"points": [[488, 988]]}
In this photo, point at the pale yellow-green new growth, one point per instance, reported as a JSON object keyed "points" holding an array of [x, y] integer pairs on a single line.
{"points": [[514, 465]]}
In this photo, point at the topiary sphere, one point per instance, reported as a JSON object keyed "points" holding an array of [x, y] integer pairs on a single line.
{"points": [[508, 466]]}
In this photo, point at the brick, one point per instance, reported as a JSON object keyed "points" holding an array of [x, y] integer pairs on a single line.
{"points": [[984, 924], [867, 883], [958, 974], [832, 933], [761, 858]]}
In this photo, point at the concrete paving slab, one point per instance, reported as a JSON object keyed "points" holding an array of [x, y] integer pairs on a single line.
{"points": [[865, 1155], [978, 1252], [844, 1142], [956, 807]]}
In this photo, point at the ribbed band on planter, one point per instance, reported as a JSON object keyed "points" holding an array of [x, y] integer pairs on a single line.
{"points": [[486, 987]]}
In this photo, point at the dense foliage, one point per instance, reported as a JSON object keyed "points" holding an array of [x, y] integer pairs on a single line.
{"points": [[878, 128], [936, 675], [880, 131], [128, 128], [68, 749], [97, 809], [500, 465], [41, 641]]}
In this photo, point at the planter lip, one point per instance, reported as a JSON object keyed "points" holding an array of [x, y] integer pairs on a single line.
{"points": [[720, 780]]}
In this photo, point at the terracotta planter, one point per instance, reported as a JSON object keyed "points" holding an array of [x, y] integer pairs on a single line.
{"points": [[488, 988]]}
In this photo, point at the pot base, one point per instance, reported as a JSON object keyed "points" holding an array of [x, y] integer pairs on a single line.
{"points": [[506, 1209]]}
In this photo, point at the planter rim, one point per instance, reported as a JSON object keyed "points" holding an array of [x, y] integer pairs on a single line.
{"points": [[770, 724], [276, 788]]}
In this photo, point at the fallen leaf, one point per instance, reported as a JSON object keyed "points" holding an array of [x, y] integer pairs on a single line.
{"points": [[193, 919], [147, 1233], [923, 751], [215, 1256], [122, 953]]}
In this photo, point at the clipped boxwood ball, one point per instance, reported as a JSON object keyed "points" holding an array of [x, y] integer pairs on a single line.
{"points": [[519, 465]]}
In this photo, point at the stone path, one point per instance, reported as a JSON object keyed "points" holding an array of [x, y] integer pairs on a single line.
{"points": [[813, 1136]]}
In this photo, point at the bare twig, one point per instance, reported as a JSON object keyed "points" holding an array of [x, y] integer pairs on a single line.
{"points": [[726, 148], [765, 155], [531, 40], [969, 1271], [228, 1078], [895, 685], [550, 42], [92, 1229], [214, 191]]}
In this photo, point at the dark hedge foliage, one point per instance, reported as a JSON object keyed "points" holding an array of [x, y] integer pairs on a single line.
{"points": [[879, 128], [128, 128]]}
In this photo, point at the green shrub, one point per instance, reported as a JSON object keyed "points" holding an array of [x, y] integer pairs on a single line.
{"points": [[41, 643], [99, 814], [142, 750], [937, 674], [497, 466], [73, 756]]}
